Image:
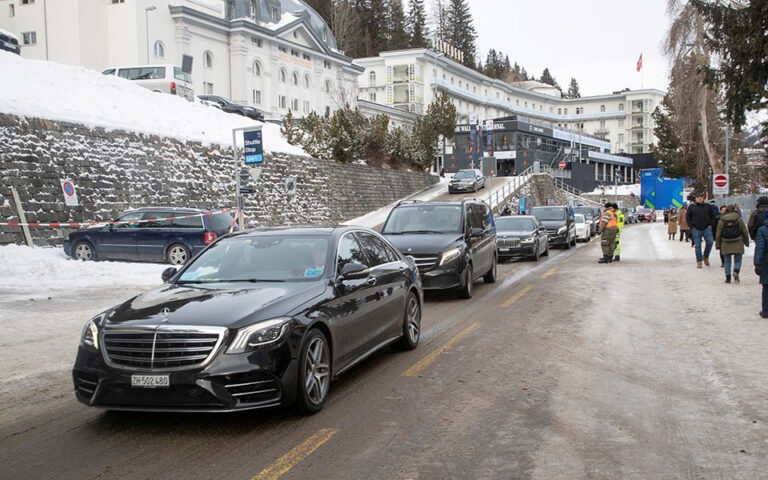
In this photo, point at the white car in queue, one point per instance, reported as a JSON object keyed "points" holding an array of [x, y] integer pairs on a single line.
{"points": [[583, 229]]}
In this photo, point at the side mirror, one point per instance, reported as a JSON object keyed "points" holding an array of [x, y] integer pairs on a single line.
{"points": [[353, 270], [168, 273], [476, 232]]}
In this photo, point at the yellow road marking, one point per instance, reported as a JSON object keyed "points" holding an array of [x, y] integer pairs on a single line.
{"points": [[549, 272], [566, 260], [297, 454], [517, 296], [424, 362]]}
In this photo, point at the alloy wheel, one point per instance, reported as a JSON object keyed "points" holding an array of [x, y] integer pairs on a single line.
{"points": [[414, 319], [317, 371], [83, 251], [178, 255]]}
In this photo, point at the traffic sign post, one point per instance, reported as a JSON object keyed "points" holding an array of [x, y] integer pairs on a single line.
{"points": [[253, 150], [562, 164], [720, 184], [70, 194]]}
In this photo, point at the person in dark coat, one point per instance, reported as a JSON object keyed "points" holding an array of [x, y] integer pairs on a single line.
{"points": [[685, 231], [757, 216], [700, 218], [761, 261], [731, 238]]}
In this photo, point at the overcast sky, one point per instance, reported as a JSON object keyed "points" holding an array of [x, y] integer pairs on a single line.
{"points": [[597, 42]]}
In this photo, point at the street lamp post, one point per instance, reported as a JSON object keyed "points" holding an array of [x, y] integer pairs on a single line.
{"points": [[146, 24]]}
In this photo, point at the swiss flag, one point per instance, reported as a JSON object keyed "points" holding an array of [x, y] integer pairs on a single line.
{"points": [[640, 62]]}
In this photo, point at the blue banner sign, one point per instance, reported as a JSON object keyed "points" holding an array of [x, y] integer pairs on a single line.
{"points": [[254, 150]]}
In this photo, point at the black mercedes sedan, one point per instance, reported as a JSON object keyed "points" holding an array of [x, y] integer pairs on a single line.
{"points": [[521, 235], [259, 319], [232, 107]]}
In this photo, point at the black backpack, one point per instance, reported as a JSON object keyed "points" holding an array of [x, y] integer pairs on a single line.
{"points": [[731, 230]]}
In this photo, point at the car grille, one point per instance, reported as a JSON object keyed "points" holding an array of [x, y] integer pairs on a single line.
{"points": [[161, 348], [173, 396], [425, 262], [254, 387], [507, 242]]}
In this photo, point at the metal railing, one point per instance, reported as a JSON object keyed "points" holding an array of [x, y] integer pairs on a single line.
{"points": [[498, 196]]}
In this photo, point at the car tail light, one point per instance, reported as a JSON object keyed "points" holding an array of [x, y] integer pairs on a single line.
{"points": [[210, 237], [173, 88]]}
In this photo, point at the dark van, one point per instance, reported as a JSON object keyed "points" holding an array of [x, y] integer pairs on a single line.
{"points": [[560, 224]]}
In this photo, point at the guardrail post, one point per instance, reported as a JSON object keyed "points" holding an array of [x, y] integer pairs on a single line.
{"points": [[22, 217]]}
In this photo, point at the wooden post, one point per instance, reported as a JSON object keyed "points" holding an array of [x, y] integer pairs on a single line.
{"points": [[22, 217]]}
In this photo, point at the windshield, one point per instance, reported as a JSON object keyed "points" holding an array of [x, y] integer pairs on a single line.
{"points": [[579, 218], [586, 211], [548, 213], [267, 258], [221, 222], [178, 74], [643, 210], [512, 224], [465, 175], [142, 73], [424, 218]]}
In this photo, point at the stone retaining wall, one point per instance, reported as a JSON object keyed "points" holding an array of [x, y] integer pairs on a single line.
{"points": [[116, 170]]}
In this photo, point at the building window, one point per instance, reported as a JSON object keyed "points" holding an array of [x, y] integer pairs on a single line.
{"points": [[295, 104], [565, 111], [256, 41], [29, 38], [28, 2], [282, 49], [274, 13], [327, 86], [305, 104], [459, 83], [306, 57], [295, 34], [327, 64], [282, 75], [254, 11], [559, 111], [621, 107], [372, 79], [621, 123], [295, 78], [517, 102], [551, 109], [256, 69], [208, 59], [327, 111], [602, 123], [526, 104], [602, 108], [325, 35], [11, 10], [282, 101], [159, 49], [117, 1], [541, 107], [307, 82], [372, 97], [621, 138], [208, 88], [295, 53], [257, 97]]}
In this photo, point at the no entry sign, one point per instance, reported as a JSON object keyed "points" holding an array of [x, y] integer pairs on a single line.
{"points": [[562, 164], [70, 194], [720, 184]]}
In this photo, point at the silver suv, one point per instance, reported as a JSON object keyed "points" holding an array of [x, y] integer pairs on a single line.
{"points": [[470, 180]]}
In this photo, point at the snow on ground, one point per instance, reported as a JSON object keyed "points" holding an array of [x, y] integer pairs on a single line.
{"points": [[43, 89], [25, 269], [631, 189]]}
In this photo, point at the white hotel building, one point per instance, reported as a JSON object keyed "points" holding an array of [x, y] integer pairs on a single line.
{"points": [[410, 79], [271, 54]]}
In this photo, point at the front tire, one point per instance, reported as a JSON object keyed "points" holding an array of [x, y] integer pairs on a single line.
{"points": [[466, 291], [314, 373], [177, 254], [490, 276], [83, 250], [546, 251], [411, 324]]}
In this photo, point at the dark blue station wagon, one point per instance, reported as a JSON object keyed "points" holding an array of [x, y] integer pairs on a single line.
{"points": [[149, 239]]}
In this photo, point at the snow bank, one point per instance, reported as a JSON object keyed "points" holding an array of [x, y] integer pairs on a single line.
{"points": [[26, 269], [631, 189], [42, 89]]}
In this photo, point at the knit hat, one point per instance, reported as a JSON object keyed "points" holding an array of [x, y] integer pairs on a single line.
{"points": [[762, 202]]}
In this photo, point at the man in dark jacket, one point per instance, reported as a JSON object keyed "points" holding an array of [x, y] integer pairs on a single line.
{"points": [[757, 217], [700, 218]]}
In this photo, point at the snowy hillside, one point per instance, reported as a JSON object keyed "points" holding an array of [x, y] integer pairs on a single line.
{"points": [[36, 88]]}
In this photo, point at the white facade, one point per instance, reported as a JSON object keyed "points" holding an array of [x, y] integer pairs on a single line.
{"points": [[409, 80], [271, 54]]}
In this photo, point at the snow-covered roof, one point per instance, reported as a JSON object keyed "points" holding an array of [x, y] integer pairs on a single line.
{"points": [[6, 32], [43, 89], [290, 11]]}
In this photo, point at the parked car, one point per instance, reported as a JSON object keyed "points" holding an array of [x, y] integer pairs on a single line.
{"points": [[453, 243], [258, 319], [158, 78], [467, 181], [231, 107], [630, 215], [583, 228], [145, 236], [591, 217], [521, 235], [9, 42], [559, 222], [646, 215]]}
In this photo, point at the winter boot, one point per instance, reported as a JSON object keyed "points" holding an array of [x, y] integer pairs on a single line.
{"points": [[605, 260], [706, 261], [736, 277], [728, 279], [617, 258], [698, 264]]}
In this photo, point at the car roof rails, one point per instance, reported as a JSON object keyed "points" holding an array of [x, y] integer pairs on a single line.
{"points": [[403, 202]]}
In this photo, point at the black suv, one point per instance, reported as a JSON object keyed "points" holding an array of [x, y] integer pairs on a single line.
{"points": [[561, 226], [453, 243]]}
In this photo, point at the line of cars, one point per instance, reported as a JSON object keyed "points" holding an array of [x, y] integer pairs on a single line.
{"points": [[268, 317]]}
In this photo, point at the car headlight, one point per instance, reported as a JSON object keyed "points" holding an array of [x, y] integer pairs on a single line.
{"points": [[527, 240], [90, 337], [258, 335], [561, 230], [449, 256]]}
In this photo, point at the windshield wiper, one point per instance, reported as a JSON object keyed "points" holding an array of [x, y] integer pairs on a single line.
{"points": [[421, 231], [252, 280]]}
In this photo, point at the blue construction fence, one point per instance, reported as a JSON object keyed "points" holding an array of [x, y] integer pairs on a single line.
{"points": [[659, 192]]}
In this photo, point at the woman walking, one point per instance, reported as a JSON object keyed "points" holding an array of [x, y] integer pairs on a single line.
{"points": [[761, 259], [672, 223], [685, 230], [732, 236]]}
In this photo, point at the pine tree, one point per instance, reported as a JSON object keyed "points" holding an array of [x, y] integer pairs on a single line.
{"points": [[290, 129], [667, 150], [373, 15], [547, 78], [417, 24], [398, 38], [461, 33], [573, 89]]}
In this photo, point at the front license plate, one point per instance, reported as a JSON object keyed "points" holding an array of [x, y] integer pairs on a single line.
{"points": [[504, 249], [150, 381]]}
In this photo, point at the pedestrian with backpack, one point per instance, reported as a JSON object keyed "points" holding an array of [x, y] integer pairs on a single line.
{"points": [[732, 236], [761, 260]]}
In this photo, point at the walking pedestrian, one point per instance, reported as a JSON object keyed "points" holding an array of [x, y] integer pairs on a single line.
{"points": [[672, 225], [761, 259], [732, 237], [700, 218], [685, 231], [757, 216], [619, 228], [608, 229], [714, 229], [666, 216]]}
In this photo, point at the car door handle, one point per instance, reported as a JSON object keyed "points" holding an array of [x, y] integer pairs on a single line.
{"points": [[371, 281], [401, 269]]}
